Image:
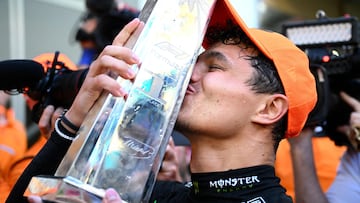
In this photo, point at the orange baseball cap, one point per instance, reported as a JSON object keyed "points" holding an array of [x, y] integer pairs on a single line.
{"points": [[291, 63], [47, 58]]}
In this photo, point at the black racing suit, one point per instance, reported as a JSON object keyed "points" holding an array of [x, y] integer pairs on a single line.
{"points": [[256, 184], [248, 185]]}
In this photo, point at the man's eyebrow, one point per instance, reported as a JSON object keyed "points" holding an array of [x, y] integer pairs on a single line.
{"points": [[215, 54]]}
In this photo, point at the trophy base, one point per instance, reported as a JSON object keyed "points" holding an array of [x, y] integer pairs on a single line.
{"points": [[64, 190]]}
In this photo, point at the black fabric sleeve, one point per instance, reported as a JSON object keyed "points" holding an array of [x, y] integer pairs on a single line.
{"points": [[169, 191], [44, 163]]}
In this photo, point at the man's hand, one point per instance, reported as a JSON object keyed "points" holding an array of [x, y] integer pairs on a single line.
{"points": [[111, 196], [354, 122], [47, 120], [115, 58]]}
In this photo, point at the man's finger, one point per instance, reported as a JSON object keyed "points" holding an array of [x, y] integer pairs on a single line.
{"points": [[111, 196], [34, 199], [126, 32], [351, 101], [57, 113], [45, 119]]}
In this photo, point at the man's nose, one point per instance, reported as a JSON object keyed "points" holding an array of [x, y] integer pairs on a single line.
{"points": [[197, 72]]}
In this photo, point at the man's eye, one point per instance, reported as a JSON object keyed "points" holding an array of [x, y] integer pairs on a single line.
{"points": [[214, 67]]}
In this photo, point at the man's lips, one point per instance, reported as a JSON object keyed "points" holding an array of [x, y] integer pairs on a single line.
{"points": [[190, 90]]}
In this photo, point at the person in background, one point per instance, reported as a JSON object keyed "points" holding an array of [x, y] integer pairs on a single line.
{"points": [[346, 185], [326, 159], [13, 144], [86, 38], [182, 153], [16, 150], [99, 25]]}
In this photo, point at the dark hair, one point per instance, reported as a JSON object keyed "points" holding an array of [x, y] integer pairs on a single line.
{"points": [[265, 79], [100, 7], [82, 35], [108, 26]]}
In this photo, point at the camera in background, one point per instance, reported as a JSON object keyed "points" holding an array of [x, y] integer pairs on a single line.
{"points": [[332, 46]]}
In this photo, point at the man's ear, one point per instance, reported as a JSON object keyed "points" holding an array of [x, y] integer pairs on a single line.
{"points": [[271, 110]]}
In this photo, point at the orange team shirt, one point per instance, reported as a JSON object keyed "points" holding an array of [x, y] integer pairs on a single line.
{"points": [[13, 144], [326, 157], [4, 189], [18, 167]]}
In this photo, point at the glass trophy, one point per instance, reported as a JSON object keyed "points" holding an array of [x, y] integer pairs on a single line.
{"points": [[122, 141]]}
